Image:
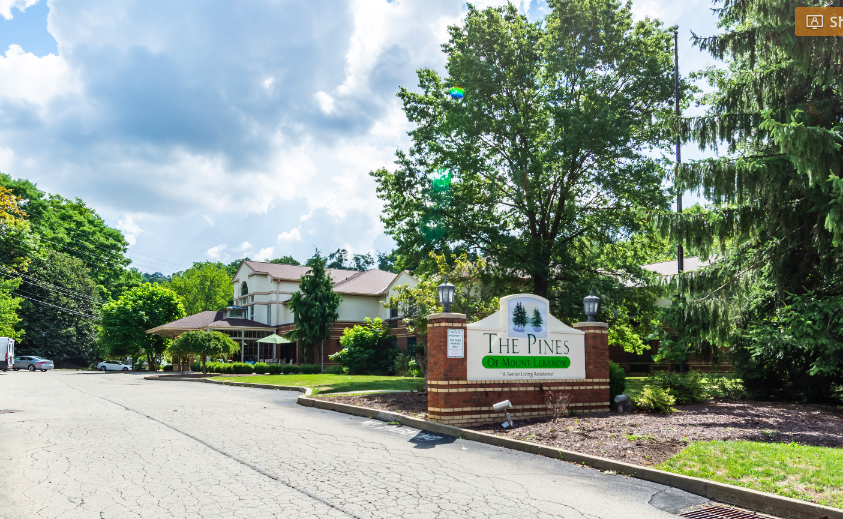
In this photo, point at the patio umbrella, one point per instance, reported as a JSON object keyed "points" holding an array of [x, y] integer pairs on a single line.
{"points": [[275, 339]]}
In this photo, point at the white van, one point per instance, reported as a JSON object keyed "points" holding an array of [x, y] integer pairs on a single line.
{"points": [[7, 353]]}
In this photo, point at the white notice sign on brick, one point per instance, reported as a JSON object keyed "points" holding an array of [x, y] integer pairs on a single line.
{"points": [[456, 343]]}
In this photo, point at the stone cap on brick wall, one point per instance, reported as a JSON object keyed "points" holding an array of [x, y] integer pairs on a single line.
{"points": [[591, 324], [443, 315]]}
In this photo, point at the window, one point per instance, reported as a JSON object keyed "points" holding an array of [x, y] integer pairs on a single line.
{"points": [[244, 288], [411, 346], [250, 351], [393, 313], [268, 314], [252, 313]]}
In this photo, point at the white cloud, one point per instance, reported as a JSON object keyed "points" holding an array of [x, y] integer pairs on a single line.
{"points": [[265, 254], [208, 219], [129, 229], [26, 77], [325, 101], [294, 235], [267, 83], [6, 6], [215, 253], [306, 217], [243, 247]]}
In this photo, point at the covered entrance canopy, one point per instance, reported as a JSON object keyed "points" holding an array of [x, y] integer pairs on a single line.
{"points": [[245, 332]]}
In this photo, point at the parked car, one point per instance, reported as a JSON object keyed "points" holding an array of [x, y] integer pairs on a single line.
{"points": [[113, 365], [32, 363], [7, 353]]}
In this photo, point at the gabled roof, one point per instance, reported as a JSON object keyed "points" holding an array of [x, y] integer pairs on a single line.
{"points": [[369, 282], [202, 320]]}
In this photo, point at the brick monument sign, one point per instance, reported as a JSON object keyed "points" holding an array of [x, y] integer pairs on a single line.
{"points": [[520, 354]]}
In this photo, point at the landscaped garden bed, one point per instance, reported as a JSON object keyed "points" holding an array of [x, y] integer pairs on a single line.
{"points": [[326, 383]]}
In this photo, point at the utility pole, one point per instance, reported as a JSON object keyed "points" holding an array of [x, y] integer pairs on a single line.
{"points": [[680, 254], [42, 345]]}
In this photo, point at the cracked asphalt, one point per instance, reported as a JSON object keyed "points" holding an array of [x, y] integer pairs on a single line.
{"points": [[112, 445]]}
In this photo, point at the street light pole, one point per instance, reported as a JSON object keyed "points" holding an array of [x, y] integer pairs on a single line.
{"points": [[42, 345]]}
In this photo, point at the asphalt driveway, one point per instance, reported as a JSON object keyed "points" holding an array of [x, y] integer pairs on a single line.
{"points": [[112, 445]]}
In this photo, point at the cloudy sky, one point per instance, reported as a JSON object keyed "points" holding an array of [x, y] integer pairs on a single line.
{"points": [[215, 130]]}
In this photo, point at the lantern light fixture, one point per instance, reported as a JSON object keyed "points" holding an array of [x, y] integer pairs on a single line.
{"points": [[590, 303], [446, 295]]}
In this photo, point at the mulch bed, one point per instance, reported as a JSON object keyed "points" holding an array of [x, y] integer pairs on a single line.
{"points": [[648, 439]]}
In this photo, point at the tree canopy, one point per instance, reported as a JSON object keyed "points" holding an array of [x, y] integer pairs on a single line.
{"points": [[542, 163], [125, 321], [314, 306], [205, 286], [775, 223]]}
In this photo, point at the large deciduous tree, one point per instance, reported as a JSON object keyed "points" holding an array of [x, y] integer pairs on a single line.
{"points": [[773, 295], [203, 344], [315, 307], [546, 150], [125, 321], [205, 286]]}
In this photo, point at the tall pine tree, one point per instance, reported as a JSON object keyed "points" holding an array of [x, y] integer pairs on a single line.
{"points": [[773, 295]]}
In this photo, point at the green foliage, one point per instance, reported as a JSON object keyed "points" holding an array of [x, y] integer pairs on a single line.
{"points": [[239, 368], [9, 306], [315, 307], [285, 260], [261, 368], [687, 387], [402, 365], [368, 349], [290, 369], [195, 366], [339, 260], [725, 386], [536, 320], [775, 222], [273, 369], [654, 399], [205, 286], [69, 335], [125, 321], [168, 367], [310, 369], [334, 370], [157, 277], [203, 345], [547, 148], [71, 227], [617, 380]]}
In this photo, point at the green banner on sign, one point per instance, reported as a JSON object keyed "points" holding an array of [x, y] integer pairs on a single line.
{"points": [[519, 362]]}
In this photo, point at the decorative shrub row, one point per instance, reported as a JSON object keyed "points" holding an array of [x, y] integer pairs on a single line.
{"points": [[243, 368]]}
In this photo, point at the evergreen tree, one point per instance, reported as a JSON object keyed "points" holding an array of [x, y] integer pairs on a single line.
{"points": [[536, 320], [519, 315], [315, 307], [777, 212]]}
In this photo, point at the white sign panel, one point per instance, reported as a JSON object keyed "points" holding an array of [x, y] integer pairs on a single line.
{"points": [[456, 343], [522, 341]]}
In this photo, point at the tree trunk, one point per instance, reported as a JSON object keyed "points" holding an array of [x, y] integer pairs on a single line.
{"points": [[204, 365], [540, 284]]}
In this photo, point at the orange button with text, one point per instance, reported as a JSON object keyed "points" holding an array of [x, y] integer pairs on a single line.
{"points": [[819, 21]]}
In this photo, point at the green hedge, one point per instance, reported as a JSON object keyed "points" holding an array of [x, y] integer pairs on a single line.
{"points": [[334, 370], [274, 369], [168, 367], [195, 366], [310, 369], [289, 369], [261, 368]]}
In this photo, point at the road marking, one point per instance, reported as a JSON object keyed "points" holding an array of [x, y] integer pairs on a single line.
{"points": [[404, 431]]}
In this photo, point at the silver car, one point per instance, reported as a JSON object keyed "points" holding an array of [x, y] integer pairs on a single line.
{"points": [[32, 363], [113, 365]]}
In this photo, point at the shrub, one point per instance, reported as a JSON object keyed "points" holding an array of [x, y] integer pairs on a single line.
{"points": [[415, 370], [167, 367], [654, 399], [726, 387], [368, 349], [227, 368], [402, 365], [335, 370], [617, 380], [310, 369], [195, 366], [686, 387], [273, 369], [261, 368], [242, 368], [215, 367], [290, 368]]}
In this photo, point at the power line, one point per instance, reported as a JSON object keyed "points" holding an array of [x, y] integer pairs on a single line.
{"points": [[92, 317], [49, 286]]}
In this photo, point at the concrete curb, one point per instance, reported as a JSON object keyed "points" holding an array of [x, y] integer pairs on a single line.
{"points": [[784, 507]]}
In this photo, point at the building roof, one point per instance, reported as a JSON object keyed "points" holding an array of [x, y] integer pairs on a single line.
{"points": [[202, 320], [669, 268], [369, 282]]}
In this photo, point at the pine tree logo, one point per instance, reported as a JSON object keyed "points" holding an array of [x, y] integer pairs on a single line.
{"points": [[519, 316], [536, 321]]}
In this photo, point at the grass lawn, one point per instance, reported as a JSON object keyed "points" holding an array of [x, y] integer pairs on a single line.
{"points": [[333, 383], [802, 472]]}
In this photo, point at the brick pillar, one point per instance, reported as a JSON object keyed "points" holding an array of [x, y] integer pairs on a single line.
{"points": [[439, 366], [596, 353]]}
